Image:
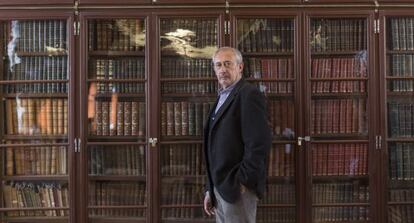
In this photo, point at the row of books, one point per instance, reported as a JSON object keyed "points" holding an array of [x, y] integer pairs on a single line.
{"points": [[116, 118], [184, 118], [331, 86], [180, 193], [36, 88], [279, 194], [186, 67], [275, 68], [106, 89], [348, 192], [401, 161], [400, 213], [188, 33], [400, 65], [401, 33], [29, 116], [338, 35], [117, 68], [275, 87], [117, 160], [341, 214], [38, 68], [400, 119], [184, 159], [265, 35], [38, 35], [277, 215], [118, 34], [338, 68], [36, 195], [282, 117], [281, 160], [189, 87], [339, 159], [44, 160], [106, 193], [400, 85], [401, 195], [339, 116]]}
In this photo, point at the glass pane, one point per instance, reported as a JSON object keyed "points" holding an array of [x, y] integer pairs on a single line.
{"points": [[267, 48], [188, 91], [117, 120], [339, 78], [34, 87], [400, 116]]}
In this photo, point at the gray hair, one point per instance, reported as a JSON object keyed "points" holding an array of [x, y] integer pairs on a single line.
{"points": [[236, 52]]}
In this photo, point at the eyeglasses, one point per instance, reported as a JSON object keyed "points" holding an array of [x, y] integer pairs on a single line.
{"points": [[226, 64]]}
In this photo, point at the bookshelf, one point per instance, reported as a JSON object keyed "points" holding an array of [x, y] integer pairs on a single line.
{"points": [[35, 170], [80, 112], [116, 106], [267, 45], [188, 91], [338, 78], [398, 90]]}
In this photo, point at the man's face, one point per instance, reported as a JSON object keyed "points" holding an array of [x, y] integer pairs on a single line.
{"points": [[226, 68]]}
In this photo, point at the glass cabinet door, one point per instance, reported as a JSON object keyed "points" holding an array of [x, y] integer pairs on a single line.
{"points": [[399, 80], [188, 89], [267, 46], [34, 130], [116, 120], [338, 121]]}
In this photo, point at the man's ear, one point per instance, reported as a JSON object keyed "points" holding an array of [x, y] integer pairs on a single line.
{"points": [[241, 66]]}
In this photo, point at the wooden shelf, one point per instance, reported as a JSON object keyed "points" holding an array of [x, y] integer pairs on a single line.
{"points": [[116, 138], [120, 95], [339, 95], [59, 52], [33, 137], [117, 178], [118, 53], [32, 81], [332, 178], [400, 184], [188, 79], [36, 178], [36, 219], [268, 54], [117, 80], [35, 95], [400, 51], [350, 204], [338, 53], [107, 219]]}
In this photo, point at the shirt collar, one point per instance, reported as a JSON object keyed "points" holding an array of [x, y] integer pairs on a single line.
{"points": [[222, 91]]}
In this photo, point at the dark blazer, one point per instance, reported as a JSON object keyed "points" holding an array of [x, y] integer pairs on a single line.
{"points": [[237, 143]]}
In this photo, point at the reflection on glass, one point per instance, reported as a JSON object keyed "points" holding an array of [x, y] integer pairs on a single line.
{"points": [[116, 117], [117, 160], [109, 193], [338, 35], [265, 35], [28, 116], [117, 35], [36, 195], [194, 38]]}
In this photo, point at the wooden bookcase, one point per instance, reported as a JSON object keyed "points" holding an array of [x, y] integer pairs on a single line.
{"points": [[37, 126], [397, 129], [104, 123], [339, 80]]}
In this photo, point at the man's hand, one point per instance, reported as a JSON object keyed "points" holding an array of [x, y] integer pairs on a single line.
{"points": [[208, 205]]}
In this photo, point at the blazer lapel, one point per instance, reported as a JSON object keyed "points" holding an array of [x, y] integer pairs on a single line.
{"points": [[227, 103]]}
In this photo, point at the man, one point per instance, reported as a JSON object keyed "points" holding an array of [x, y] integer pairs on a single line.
{"points": [[236, 143]]}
